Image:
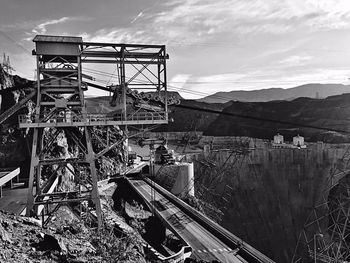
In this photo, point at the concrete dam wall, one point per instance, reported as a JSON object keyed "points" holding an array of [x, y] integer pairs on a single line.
{"points": [[268, 193]]}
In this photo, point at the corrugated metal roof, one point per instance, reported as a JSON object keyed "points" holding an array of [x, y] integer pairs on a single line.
{"points": [[57, 39]]}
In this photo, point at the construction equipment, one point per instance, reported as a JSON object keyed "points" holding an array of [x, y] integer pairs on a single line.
{"points": [[163, 156], [131, 157]]}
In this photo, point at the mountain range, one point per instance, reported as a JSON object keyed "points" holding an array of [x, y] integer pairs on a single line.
{"points": [[308, 90], [329, 114]]}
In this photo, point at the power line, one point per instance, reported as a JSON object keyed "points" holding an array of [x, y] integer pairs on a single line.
{"points": [[248, 82], [16, 43], [185, 90], [261, 119], [247, 116], [102, 73], [198, 93]]}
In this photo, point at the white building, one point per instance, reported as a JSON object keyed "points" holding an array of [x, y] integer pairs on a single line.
{"points": [[278, 142], [298, 141], [278, 139]]}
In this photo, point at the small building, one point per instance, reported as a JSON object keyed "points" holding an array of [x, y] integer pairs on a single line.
{"points": [[298, 141], [278, 142], [278, 139]]}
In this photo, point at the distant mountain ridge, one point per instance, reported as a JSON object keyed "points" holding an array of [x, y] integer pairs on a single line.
{"points": [[313, 90], [331, 112]]}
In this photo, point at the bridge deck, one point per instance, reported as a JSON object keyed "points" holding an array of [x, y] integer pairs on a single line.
{"points": [[205, 245]]}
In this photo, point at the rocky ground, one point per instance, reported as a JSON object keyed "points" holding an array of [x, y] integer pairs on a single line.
{"points": [[23, 240], [66, 239]]}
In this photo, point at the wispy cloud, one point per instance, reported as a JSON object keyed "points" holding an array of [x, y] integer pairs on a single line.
{"points": [[194, 87], [295, 60], [200, 86], [137, 17], [41, 28], [194, 21], [255, 16], [178, 82], [118, 35]]}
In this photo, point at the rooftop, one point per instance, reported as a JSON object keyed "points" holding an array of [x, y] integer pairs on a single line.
{"points": [[57, 39]]}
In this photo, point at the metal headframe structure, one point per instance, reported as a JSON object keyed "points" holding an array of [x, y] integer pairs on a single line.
{"points": [[63, 158]]}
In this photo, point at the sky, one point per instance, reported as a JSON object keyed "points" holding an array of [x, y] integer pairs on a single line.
{"points": [[214, 45]]}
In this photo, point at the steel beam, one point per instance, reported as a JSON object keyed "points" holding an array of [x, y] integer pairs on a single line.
{"points": [[118, 45], [117, 61], [117, 54], [91, 159]]}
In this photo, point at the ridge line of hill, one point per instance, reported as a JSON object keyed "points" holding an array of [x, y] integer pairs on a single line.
{"points": [[312, 90]]}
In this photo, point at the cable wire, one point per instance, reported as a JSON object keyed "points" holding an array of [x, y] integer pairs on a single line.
{"points": [[261, 119]]}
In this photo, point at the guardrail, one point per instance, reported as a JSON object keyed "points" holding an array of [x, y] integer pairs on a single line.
{"points": [[246, 251]]}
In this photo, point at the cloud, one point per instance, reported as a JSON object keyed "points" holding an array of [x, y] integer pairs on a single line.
{"points": [[194, 87], [201, 86], [295, 60], [137, 17], [179, 81], [334, 14], [196, 21], [41, 28], [118, 35]]}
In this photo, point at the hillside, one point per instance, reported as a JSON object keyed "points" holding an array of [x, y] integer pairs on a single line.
{"points": [[184, 120], [263, 95], [332, 112], [187, 120]]}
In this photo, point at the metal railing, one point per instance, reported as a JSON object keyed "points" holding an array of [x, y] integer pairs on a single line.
{"points": [[92, 118]]}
